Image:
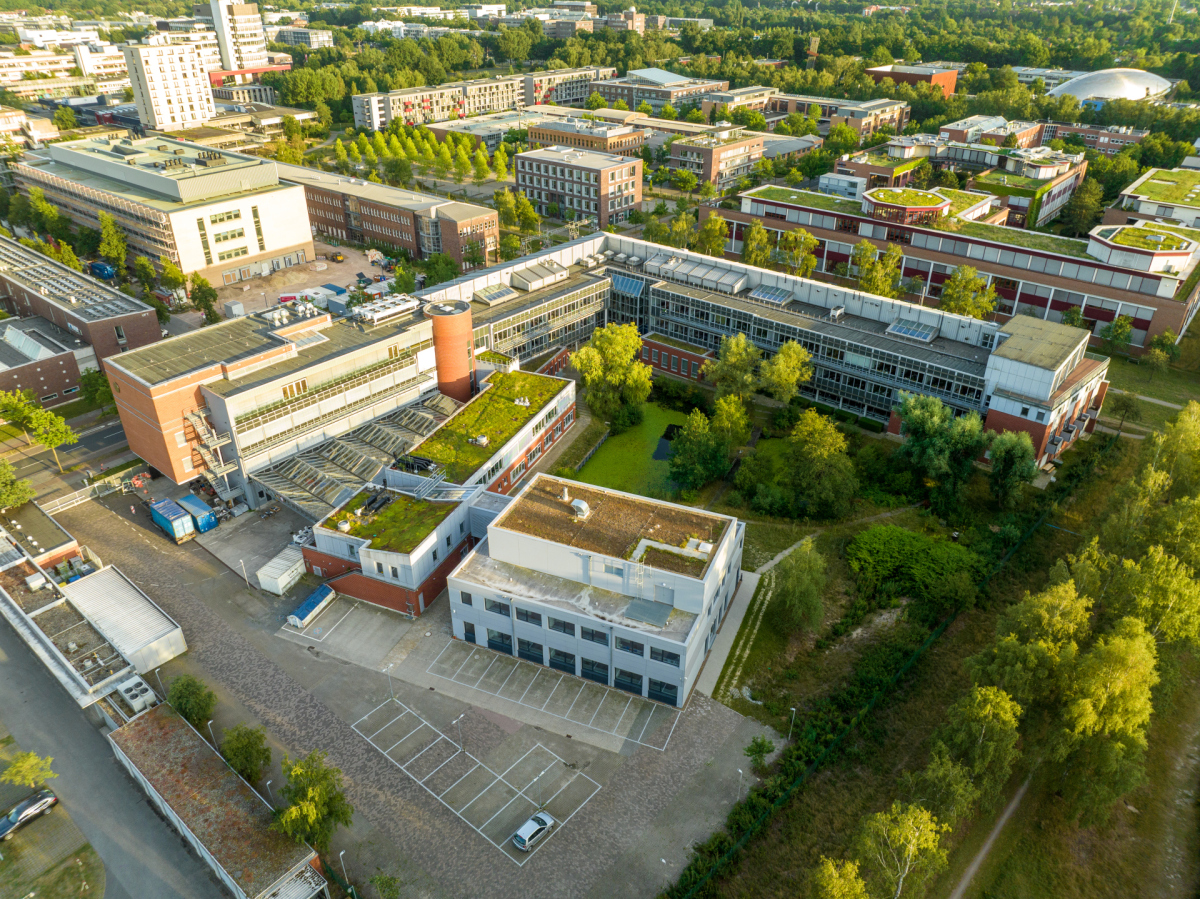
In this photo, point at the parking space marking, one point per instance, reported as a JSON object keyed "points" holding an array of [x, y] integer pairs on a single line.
{"points": [[499, 781], [656, 711], [287, 630]]}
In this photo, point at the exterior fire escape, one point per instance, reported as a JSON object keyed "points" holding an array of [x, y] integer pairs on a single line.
{"points": [[216, 471]]}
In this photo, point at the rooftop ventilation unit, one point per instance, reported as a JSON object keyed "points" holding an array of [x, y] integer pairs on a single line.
{"points": [[582, 509]]}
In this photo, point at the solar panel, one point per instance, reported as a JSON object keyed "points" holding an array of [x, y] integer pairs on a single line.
{"points": [[771, 294], [904, 327], [630, 287], [495, 293]]}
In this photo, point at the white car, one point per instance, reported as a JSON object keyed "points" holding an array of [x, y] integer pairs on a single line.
{"points": [[533, 831]]}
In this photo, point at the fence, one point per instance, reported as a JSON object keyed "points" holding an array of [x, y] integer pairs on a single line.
{"points": [[592, 451], [98, 488], [332, 873], [688, 893]]}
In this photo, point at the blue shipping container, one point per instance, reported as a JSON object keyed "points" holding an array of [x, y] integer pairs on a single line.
{"points": [[311, 607], [202, 516], [339, 291], [174, 521]]}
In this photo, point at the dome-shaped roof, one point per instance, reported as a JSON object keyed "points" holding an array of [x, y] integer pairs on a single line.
{"points": [[1114, 84]]}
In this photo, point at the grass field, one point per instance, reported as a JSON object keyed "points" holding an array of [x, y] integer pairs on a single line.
{"points": [[1175, 385], [626, 462]]}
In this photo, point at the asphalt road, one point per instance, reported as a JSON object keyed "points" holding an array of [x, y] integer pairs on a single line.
{"points": [[142, 856], [37, 464]]}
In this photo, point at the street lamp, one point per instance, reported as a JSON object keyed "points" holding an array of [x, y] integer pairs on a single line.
{"points": [[342, 859], [790, 726], [388, 672], [458, 721], [739, 795], [210, 732], [269, 793]]}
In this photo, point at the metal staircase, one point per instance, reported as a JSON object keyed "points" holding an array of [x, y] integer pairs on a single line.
{"points": [[215, 470]]}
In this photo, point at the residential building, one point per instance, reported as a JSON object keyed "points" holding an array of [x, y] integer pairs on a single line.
{"points": [[1033, 183], [421, 224], [754, 98], [170, 86], [245, 93], [311, 38], [215, 812], [722, 157], [586, 182], [80, 313], [197, 35], [223, 216], [421, 105], [946, 79], [37, 65], [104, 62], [239, 31], [656, 87], [565, 29], [1033, 273], [602, 137], [564, 87], [639, 614], [864, 116]]}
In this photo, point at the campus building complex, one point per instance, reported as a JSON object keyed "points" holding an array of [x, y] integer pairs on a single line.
{"points": [[421, 224], [221, 215], [722, 157], [945, 79], [587, 183], [602, 137], [170, 86], [656, 87], [240, 35], [457, 100], [864, 116], [564, 87], [1107, 139], [312, 38]]}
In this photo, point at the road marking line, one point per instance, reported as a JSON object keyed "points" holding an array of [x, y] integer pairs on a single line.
{"points": [[573, 701], [455, 784], [510, 674], [482, 676], [422, 752], [440, 767], [393, 721], [552, 692], [370, 713], [536, 675], [597, 712], [402, 739]]}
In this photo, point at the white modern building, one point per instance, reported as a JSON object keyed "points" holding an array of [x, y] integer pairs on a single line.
{"points": [[170, 85], [604, 585], [240, 35]]}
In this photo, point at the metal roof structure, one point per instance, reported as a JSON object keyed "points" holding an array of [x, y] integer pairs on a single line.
{"points": [[1114, 84], [82, 295]]}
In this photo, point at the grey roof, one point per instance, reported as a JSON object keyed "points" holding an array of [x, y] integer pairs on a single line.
{"points": [[124, 614], [84, 296], [1113, 84], [1043, 344], [437, 207], [660, 77]]}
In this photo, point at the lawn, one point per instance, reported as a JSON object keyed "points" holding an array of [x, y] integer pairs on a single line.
{"points": [[903, 196], [1175, 385], [626, 462], [1032, 240]]}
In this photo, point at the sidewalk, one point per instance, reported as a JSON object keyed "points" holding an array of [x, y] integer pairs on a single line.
{"points": [[723, 645]]}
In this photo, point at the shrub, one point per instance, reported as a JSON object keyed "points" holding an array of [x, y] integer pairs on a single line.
{"points": [[626, 417], [870, 424], [192, 698]]}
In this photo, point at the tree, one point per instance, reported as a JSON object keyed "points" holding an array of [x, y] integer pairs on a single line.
{"points": [[462, 165], [316, 803], [1157, 361], [96, 389], [879, 275], [440, 268], [841, 140], [1126, 406], [621, 106], [981, 733], [143, 270], [500, 163], [833, 880], [172, 277], [797, 252], [966, 293], [443, 161], [697, 454], [758, 750], [756, 246], [1168, 343], [527, 219], [13, 492], [204, 297], [192, 699], [28, 769], [822, 472], [712, 236], [64, 118], [246, 751], [51, 431], [1074, 317], [730, 422], [1117, 335], [18, 408], [684, 181], [1161, 592], [782, 374], [944, 786], [595, 101], [473, 255], [900, 846], [668, 112], [506, 207], [339, 153], [681, 232], [1083, 209], [510, 246], [612, 371], [645, 108], [734, 371], [1013, 464], [940, 447], [112, 242], [695, 116], [800, 584]]}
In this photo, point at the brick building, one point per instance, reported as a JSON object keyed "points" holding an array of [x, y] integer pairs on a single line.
{"points": [[722, 157], [670, 355], [946, 79], [656, 87], [998, 130], [588, 183], [602, 137], [564, 87]]}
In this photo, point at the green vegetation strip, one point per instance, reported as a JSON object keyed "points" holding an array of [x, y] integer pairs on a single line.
{"points": [[582, 445], [669, 561], [836, 718], [1030, 240], [399, 527]]}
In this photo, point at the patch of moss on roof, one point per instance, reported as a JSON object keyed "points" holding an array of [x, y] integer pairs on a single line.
{"points": [[398, 527]]}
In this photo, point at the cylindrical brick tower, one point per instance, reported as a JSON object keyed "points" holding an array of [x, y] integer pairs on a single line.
{"points": [[453, 347]]}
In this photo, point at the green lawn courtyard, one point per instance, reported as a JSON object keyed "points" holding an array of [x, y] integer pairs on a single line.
{"points": [[625, 461]]}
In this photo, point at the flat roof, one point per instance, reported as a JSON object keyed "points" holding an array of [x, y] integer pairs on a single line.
{"points": [[493, 414], [226, 816], [573, 156], [399, 527], [434, 207], [83, 295], [616, 524], [129, 618], [1043, 344], [1180, 187], [35, 524]]}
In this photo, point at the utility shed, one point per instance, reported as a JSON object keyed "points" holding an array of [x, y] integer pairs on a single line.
{"points": [[280, 574], [129, 619], [226, 822]]}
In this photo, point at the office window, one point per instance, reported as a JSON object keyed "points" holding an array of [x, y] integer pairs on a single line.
{"points": [[465, 597], [293, 390], [661, 655], [563, 627], [499, 608], [594, 671], [593, 636], [528, 616], [499, 642], [628, 681], [630, 646], [563, 661], [530, 651], [230, 216], [610, 568], [395, 573], [379, 568], [664, 692]]}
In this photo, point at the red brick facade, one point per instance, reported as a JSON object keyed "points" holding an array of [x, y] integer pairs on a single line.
{"points": [[511, 476], [49, 379], [392, 596], [672, 360], [556, 363]]}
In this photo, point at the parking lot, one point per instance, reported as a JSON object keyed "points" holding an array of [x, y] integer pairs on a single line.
{"points": [[580, 702], [494, 797], [351, 630]]}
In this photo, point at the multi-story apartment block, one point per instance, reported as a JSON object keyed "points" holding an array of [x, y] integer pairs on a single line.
{"points": [[1120, 273], [103, 62], [240, 35], [457, 100], [656, 87], [564, 87], [42, 38], [585, 182], [305, 37], [608, 586], [353, 209], [722, 157], [1034, 183], [170, 86], [484, 10], [224, 216], [197, 35], [946, 79], [79, 311], [40, 66], [602, 137]]}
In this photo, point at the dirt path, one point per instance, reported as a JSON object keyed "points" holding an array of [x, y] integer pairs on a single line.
{"points": [[763, 569], [982, 854], [1148, 399]]}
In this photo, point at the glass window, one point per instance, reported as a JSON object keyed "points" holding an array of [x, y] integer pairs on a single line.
{"points": [[466, 598], [631, 647], [500, 608], [609, 568], [664, 692], [596, 671], [499, 642], [593, 636], [563, 661], [662, 655], [530, 651], [628, 681], [563, 627], [528, 616]]}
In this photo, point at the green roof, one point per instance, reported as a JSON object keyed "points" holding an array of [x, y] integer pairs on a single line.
{"points": [[906, 196], [678, 344], [399, 527], [806, 198], [961, 200], [1170, 187], [492, 414], [1030, 240], [1144, 238], [1001, 178]]}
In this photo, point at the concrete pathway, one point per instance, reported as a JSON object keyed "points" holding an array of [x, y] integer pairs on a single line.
{"points": [[982, 854], [727, 635], [1148, 399]]}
